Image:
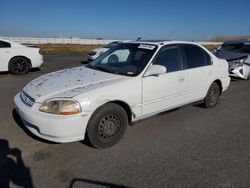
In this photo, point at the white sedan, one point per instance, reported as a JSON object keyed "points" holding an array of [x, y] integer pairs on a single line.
{"points": [[18, 59], [99, 100]]}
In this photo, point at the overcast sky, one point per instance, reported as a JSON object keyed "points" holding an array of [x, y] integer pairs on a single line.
{"points": [[125, 19]]}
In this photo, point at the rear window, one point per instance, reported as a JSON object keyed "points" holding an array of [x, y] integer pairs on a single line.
{"points": [[4, 44]]}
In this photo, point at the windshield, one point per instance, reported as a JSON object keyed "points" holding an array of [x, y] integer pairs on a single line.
{"points": [[237, 47], [111, 45], [124, 59]]}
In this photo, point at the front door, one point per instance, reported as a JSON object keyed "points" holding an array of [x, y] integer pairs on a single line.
{"points": [[165, 91]]}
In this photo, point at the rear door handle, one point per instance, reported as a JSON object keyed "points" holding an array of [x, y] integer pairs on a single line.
{"points": [[181, 79]]}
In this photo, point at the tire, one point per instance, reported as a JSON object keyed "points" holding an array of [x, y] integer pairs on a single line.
{"points": [[212, 96], [113, 59], [107, 126], [19, 66]]}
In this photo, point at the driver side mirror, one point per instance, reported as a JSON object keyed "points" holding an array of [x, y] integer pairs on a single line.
{"points": [[155, 70]]}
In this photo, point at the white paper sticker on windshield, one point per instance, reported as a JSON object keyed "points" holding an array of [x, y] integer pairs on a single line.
{"points": [[147, 46]]}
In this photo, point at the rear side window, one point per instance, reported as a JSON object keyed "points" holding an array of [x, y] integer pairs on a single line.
{"points": [[169, 57], [208, 59], [195, 56], [4, 44]]}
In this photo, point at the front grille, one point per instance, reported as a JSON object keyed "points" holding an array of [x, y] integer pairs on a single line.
{"points": [[91, 53], [28, 100]]}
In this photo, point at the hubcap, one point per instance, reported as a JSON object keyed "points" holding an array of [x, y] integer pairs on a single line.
{"points": [[109, 126], [212, 96], [19, 65]]}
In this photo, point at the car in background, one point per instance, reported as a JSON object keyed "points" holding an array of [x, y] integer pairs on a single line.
{"points": [[128, 83], [93, 54], [17, 58], [237, 54]]}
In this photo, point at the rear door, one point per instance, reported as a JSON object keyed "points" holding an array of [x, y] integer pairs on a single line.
{"points": [[198, 65]]}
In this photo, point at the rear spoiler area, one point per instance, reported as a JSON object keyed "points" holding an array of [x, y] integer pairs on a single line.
{"points": [[30, 45]]}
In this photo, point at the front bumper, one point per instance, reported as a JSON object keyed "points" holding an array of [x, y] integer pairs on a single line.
{"points": [[56, 128]]}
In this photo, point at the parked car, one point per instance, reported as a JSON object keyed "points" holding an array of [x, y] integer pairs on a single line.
{"points": [[93, 54], [97, 101], [237, 54], [18, 59]]}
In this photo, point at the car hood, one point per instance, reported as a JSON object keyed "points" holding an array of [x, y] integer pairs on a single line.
{"points": [[68, 83], [229, 56]]}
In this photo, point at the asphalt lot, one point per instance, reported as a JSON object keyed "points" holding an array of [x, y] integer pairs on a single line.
{"points": [[188, 147]]}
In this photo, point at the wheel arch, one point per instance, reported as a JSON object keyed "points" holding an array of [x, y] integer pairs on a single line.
{"points": [[17, 57], [125, 106], [219, 84]]}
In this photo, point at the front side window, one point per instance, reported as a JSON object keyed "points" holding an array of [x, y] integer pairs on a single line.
{"points": [[124, 59], [4, 44], [195, 56], [208, 59], [169, 57]]}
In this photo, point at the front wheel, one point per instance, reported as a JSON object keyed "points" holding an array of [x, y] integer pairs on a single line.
{"points": [[107, 126], [212, 96], [19, 66]]}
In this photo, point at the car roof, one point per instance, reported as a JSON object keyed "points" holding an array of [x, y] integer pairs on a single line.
{"points": [[237, 42], [13, 44]]}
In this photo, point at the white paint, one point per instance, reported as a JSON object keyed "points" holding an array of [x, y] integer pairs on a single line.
{"points": [[6, 54], [145, 95]]}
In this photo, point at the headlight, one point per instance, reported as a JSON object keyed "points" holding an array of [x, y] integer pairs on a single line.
{"points": [[60, 107]]}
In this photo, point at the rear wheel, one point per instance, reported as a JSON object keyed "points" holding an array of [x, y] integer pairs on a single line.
{"points": [[19, 65], [107, 126], [212, 96]]}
